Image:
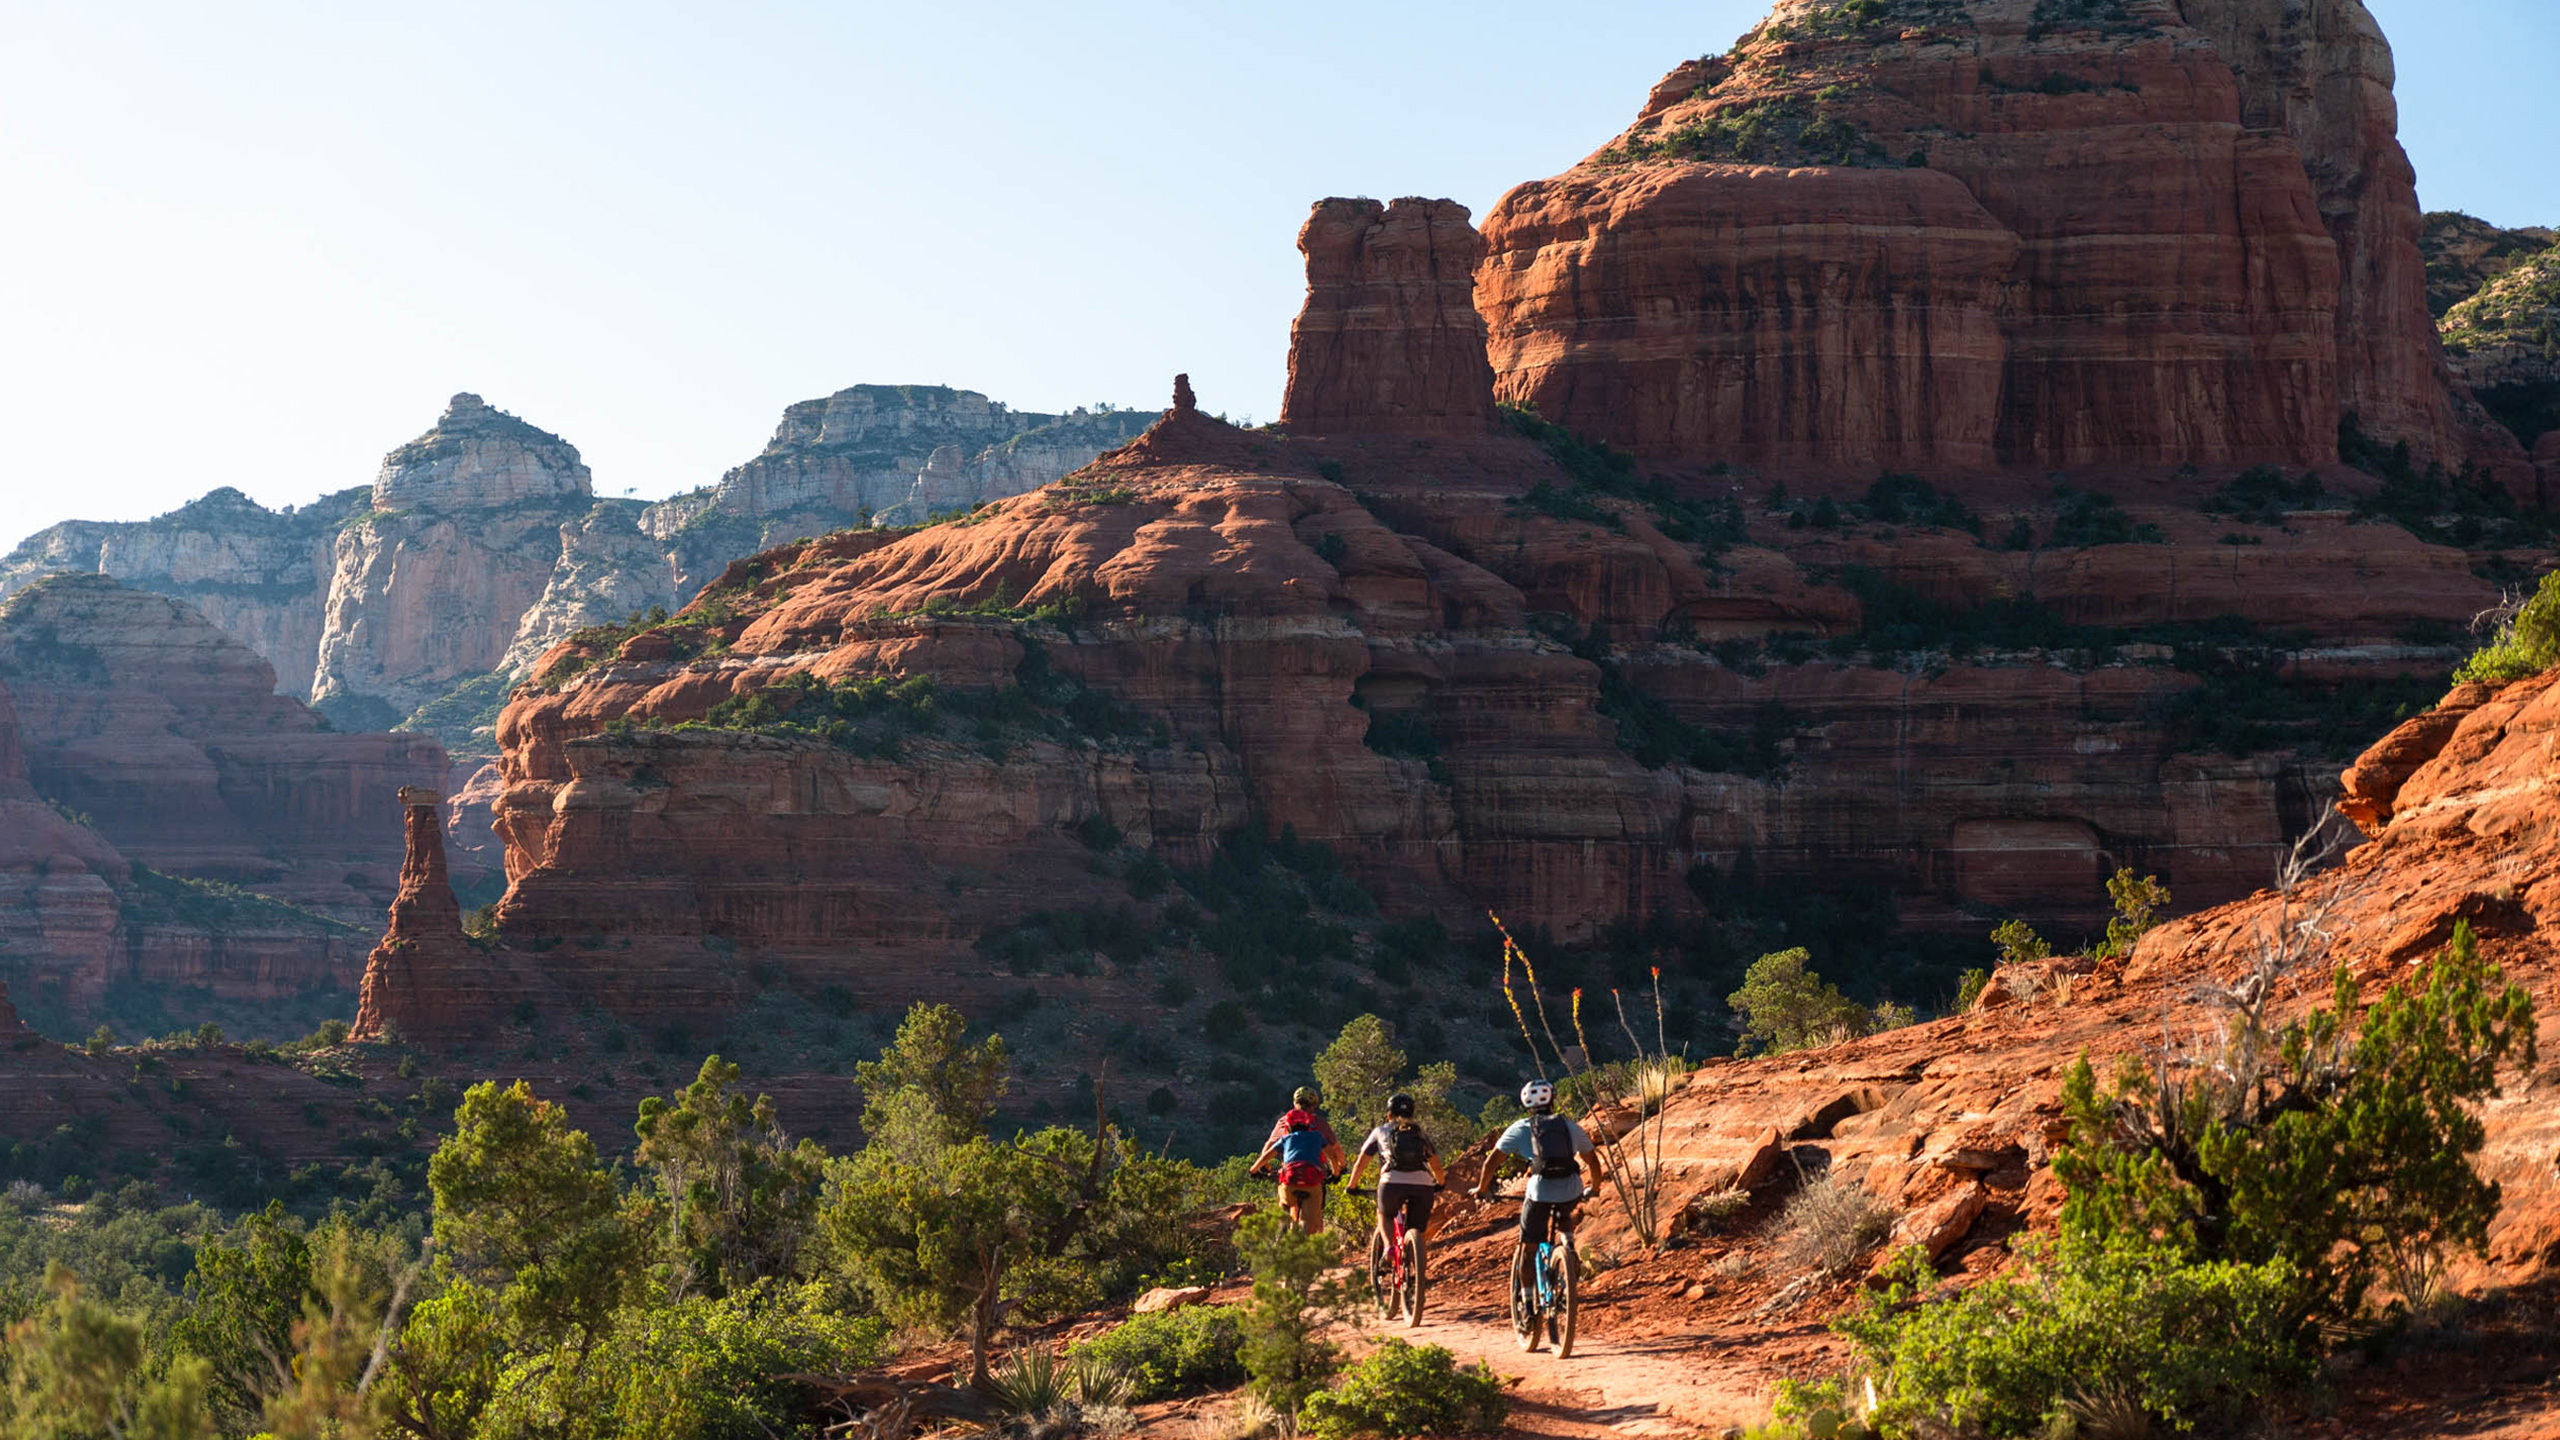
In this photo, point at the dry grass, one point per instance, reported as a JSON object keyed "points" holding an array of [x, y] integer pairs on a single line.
{"points": [[1831, 1226], [1710, 1213]]}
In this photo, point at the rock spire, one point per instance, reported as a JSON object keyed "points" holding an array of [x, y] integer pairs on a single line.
{"points": [[1389, 341]]}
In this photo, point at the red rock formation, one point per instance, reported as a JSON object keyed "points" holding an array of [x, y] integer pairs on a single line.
{"points": [[58, 881], [1781, 316], [170, 736], [1951, 238], [1389, 339], [425, 981]]}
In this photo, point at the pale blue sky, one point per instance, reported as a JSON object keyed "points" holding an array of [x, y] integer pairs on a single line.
{"points": [[259, 244]]}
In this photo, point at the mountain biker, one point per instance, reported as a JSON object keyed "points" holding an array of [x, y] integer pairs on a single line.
{"points": [[1302, 1152], [1408, 1171], [1560, 1155], [1302, 1103]]}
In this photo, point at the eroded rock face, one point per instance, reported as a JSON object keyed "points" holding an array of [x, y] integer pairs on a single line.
{"points": [[2464, 253], [2504, 342], [1258, 619], [1953, 1123], [259, 574], [58, 917], [1952, 235], [133, 709], [896, 453], [477, 455], [1389, 341]]}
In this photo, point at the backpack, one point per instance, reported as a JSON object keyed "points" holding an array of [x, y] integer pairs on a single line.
{"points": [[1407, 1149], [1551, 1145], [1302, 1157]]}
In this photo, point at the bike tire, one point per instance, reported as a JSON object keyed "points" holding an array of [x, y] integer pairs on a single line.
{"points": [[1525, 1318], [1416, 1281], [1567, 1282], [1382, 1285]]}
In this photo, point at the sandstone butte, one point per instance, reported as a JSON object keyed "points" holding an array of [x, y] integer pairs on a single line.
{"points": [[1957, 236], [132, 732]]}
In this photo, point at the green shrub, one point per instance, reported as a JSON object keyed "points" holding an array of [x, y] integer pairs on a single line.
{"points": [[2526, 645], [1403, 1389], [2339, 1144], [2138, 903], [1785, 1006], [2119, 1326], [1174, 1352], [1294, 1297]]}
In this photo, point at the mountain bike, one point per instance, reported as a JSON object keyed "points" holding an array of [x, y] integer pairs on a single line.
{"points": [[1543, 1282], [1397, 1274]]}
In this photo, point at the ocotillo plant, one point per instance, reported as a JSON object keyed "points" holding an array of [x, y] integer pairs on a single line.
{"points": [[1633, 1172]]}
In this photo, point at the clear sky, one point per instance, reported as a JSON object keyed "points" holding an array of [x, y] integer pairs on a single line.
{"points": [[258, 244]]}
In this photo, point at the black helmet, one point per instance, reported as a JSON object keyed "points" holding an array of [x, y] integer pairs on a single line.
{"points": [[1400, 1106]]}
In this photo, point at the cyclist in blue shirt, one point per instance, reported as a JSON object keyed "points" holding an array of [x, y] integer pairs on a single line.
{"points": [[1560, 1156]]}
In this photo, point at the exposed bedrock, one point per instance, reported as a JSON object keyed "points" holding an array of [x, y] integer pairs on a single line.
{"points": [[1951, 235]]}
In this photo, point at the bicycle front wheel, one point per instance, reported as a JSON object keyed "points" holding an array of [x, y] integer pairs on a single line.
{"points": [[1567, 1279]]}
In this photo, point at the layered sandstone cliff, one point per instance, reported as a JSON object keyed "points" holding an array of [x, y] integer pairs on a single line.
{"points": [[134, 711], [259, 574], [1389, 341], [1949, 235]]}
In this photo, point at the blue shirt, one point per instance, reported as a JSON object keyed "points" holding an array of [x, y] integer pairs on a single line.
{"points": [[1546, 1189]]}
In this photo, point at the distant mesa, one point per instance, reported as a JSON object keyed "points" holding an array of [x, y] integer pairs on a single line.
{"points": [[477, 455]]}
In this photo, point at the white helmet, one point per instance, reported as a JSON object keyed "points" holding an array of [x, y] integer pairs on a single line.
{"points": [[1537, 1095]]}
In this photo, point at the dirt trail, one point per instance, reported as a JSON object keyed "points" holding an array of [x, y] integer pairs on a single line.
{"points": [[1638, 1367]]}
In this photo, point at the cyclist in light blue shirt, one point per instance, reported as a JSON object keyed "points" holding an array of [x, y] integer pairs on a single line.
{"points": [[1560, 1156]]}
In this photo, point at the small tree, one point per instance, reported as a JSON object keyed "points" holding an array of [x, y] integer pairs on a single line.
{"points": [[1357, 1071], [1785, 1006], [2018, 943], [934, 1242], [522, 1203], [739, 1197], [241, 1304], [929, 1087], [76, 1367], [2340, 1144], [2527, 640], [2138, 902], [1293, 1299]]}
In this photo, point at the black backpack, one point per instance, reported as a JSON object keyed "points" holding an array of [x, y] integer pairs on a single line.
{"points": [[1406, 1148], [1551, 1145]]}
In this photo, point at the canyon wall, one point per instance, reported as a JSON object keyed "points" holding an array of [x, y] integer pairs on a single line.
{"points": [[134, 711], [1950, 236]]}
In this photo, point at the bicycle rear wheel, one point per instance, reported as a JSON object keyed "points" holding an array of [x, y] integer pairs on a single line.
{"points": [[1566, 1280], [1382, 1281], [1414, 1281]]}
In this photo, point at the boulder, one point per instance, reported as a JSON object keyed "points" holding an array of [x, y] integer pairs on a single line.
{"points": [[1170, 1298]]}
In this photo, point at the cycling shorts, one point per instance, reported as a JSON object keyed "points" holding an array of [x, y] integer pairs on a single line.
{"points": [[1413, 1200], [1536, 1215]]}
